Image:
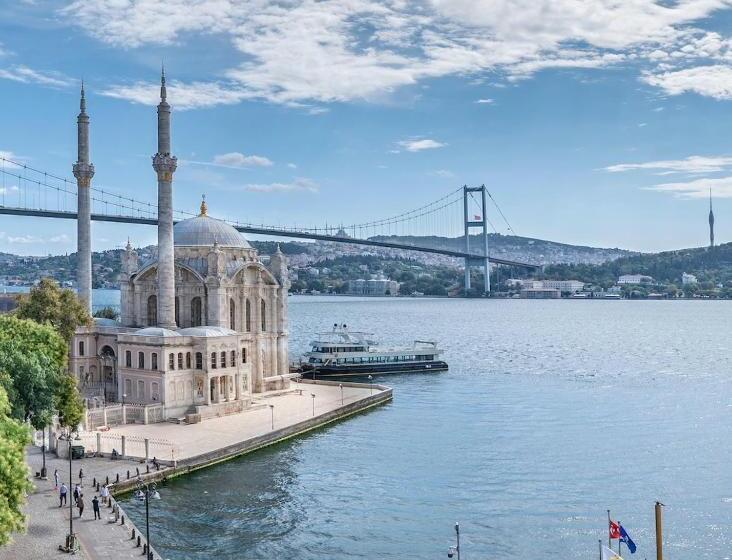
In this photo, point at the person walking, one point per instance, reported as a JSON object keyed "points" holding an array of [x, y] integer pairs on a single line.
{"points": [[77, 492], [81, 478], [95, 507], [55, 479], [80, 504], [62, 495], [105, 495]]}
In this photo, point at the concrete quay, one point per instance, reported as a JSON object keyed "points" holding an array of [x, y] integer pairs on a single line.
{"points": [[294, 411]]}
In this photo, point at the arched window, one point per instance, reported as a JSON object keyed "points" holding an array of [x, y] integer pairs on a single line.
{"points": [[196, 312], [154, 358], [177, 311], [233, 358], [141, 390], [213, 360], [248, 316], [199, 360], [141, 360], [264, 315], [152, 311], [232, 315], [128, 359], [81, 348], [188, 360], [171, 361], [223, 359], [180, 360]]}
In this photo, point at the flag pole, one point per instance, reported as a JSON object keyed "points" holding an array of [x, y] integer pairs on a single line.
{"points": [[609, 542], [599, 544], [659, 532]]}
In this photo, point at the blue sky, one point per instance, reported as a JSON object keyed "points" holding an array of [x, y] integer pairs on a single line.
{"points": [[590, 123]]}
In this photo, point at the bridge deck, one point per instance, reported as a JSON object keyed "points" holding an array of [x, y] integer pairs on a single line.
{"points": [[269, 231]]}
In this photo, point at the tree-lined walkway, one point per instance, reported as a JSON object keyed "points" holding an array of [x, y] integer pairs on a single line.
{"points": [[48, 524]]}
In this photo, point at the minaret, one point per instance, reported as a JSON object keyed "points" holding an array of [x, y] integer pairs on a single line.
{"points": [[711, 220], [83, 171], [164, 165]]}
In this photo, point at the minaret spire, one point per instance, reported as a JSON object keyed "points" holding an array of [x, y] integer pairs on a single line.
{"points": [[165, 165], [83, 171], [711, 220]]}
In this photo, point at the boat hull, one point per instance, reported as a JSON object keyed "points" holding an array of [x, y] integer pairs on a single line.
{"points": [[360, 370]]}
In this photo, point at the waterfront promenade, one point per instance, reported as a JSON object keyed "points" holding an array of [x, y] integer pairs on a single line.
{"points": [[303, 407]]}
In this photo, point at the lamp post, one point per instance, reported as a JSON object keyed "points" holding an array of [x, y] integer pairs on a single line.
{"points": [[455, 550], [313, 395], [371, 383], [271, 409], [147, 491], [341, 386], [70, 538]]}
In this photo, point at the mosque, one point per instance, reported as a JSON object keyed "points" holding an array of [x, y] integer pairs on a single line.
{"points": [[203, 326]]}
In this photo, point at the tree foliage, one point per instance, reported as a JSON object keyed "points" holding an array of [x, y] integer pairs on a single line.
{"points": [[69, 404], [49, 304], [107, 313], [32, 357], [14, 484]]}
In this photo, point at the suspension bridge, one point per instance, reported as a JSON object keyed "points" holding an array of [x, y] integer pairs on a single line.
{"points": [[441, 227]]}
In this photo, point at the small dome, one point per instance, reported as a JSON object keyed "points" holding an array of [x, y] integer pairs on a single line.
{"points": [[155, 331], [206, 331], [204, 231]]}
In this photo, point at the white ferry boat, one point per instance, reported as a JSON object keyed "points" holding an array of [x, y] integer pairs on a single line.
{"points": [[341, 352]]}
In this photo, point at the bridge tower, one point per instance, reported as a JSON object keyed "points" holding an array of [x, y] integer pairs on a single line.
{"points": [[477, 222], [83, 171]]}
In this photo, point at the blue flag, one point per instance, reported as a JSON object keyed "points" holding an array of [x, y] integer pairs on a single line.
{"points": [[625, 537]]}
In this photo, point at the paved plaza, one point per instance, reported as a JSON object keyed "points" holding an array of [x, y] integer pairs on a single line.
{"points": [[289, 407], [48, 524]]}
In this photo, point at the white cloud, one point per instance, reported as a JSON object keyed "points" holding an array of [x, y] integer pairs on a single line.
{"points": [[444, 173], [9, 189], [419, 144], [292, 166], [304, 51], [691, 164], [486, 101], [712, 81], [32, 239], [237, 159], [23, 74], [300, 184], [698, 188]]}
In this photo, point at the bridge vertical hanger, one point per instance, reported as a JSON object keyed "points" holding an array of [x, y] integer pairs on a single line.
{"points": [[481, 222]]}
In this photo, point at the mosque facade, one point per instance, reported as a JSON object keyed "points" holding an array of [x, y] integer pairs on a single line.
{"points": [[203, 325]]}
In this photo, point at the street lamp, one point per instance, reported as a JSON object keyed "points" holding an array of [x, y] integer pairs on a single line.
{"points": [[146, 491], [371, 382], [341, 386], [455, 550], [271, 408], [71, 537], [313, 395]]}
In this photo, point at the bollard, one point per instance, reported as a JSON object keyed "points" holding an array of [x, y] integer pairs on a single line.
{"points": [[97, 487], [107, 481], [128, 475], [117, 478], [144, 549], [123, 520], [138, 541], [133, 534], [138, 470], [94, 482], [147, 449], [147, 469]]}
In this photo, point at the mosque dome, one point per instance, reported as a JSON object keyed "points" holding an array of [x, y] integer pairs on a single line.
{"points": [[204, 231]]}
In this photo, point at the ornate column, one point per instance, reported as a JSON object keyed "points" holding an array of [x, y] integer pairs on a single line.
{"points": [[83, 171], [165, 165]]}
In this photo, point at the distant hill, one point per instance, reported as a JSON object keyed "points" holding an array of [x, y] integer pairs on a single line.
{"points": [[523, 249], [709, 265]]}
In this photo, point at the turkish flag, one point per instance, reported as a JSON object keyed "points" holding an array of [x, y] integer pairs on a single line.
{"points": [[614, 530]]}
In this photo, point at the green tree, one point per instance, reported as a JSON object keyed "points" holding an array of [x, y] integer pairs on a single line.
{"points": [[33, 338], [107, 313], [14, 484], [49, 304], [30, 380], [68, 402]]}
